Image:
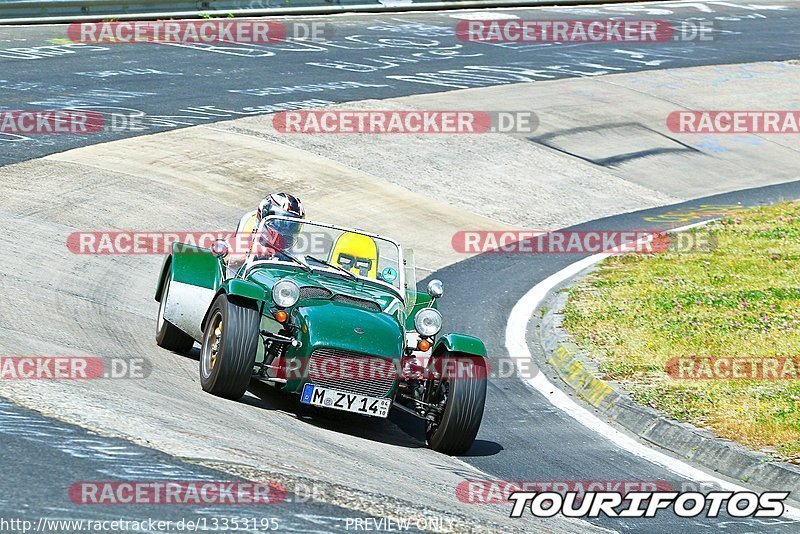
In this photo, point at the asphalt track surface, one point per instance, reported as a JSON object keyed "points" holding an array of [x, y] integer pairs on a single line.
{"points": [[36, 448], [370, 56], [193, 86]]}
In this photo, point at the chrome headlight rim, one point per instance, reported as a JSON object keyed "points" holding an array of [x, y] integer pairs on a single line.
{"points": [[285, 293], [428, 322]]}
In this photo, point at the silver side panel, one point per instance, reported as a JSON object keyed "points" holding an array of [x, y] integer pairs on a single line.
{"points": [[186, 307]]}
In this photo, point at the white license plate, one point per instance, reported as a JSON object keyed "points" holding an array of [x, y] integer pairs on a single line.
{"points": [[348, 402]]}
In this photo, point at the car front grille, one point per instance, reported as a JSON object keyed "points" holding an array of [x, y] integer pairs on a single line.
{"points": [[315, 292], [361, 303], [351, 372]]}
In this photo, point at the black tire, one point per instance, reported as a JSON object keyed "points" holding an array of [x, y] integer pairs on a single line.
{"points": [[226, 371], [464, 397], [169, 336]]}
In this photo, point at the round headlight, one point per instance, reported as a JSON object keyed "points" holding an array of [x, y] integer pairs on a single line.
{"points": [[428, 322], [285, 293]]}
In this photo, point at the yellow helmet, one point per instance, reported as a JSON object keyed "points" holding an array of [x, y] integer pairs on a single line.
{"points": [[357, 253]]}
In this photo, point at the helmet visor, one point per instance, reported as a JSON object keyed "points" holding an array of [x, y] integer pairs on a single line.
{"points": [[284, 232]]}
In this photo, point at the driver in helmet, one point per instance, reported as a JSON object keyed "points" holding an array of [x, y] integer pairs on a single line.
{"points": [[280, 235]]}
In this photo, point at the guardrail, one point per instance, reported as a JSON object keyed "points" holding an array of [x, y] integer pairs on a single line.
{"points": [[29, 11]]}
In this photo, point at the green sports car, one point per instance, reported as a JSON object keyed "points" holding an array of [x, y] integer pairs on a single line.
{"points": [[327, 313]]}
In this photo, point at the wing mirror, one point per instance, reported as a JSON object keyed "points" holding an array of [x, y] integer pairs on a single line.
{"points": [[435, 289], [220, 248]]}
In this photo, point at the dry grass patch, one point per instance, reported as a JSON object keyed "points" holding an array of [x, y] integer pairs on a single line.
{"points": [[742, 299]]}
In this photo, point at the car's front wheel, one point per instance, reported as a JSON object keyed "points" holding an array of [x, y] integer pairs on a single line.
{"points": [[460, 396], [229, 348]]}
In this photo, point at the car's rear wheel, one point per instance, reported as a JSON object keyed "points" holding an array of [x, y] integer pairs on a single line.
{"points": [[460, 396], [229, 348], [169, 336]]}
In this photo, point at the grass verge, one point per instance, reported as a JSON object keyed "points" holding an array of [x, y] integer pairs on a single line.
{"points": [[740, 300]]}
